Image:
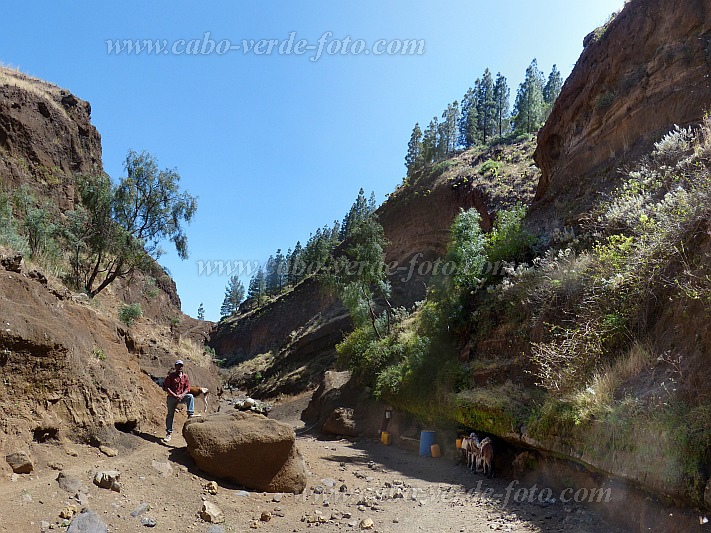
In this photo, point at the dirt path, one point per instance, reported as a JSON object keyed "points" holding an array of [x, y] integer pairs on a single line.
{"points": [[350, 483]]}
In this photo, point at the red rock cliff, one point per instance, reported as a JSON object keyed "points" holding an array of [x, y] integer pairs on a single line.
{"points": [[649, 70]]}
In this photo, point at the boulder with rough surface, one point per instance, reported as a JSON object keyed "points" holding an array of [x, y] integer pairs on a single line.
{"points": [[87, 522], [20, 462], [248, 449]]}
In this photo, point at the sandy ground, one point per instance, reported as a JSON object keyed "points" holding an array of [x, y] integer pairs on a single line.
{"points": [[350, 484]]}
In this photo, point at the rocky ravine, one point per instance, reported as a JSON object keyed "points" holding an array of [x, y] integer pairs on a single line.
{"points": [[302, 326]]}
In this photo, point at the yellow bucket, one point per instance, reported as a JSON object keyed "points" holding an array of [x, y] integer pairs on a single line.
{"points": [[435, 450], [386, 438], [459, 444]]}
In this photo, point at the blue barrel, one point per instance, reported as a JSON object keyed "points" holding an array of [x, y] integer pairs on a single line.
{"points": [[427, 439]]}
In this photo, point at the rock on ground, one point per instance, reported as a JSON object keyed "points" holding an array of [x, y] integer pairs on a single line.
{"points": [[212, 513], [87, 522], [341, 422], [248, 449], [20, 462]]}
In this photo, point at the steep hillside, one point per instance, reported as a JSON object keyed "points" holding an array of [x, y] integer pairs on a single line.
{"points": [[71, 369], [643, 72], [46, 137], [301, 328]]}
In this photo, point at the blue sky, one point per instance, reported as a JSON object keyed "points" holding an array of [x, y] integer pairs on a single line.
{"points": [[277, 145]]}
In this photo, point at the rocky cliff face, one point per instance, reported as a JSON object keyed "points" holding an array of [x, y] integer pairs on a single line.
{"points": [[648, 70], [45, 137]]}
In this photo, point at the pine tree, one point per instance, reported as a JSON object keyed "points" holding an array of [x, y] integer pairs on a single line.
{"points": [[372, 203], [234, 294], [467, 120], [448, 130], [529, 107], [360, 209], [485, 107], [201, 312], [502, 111], [552, 88], [413, 159], [296, 266], [275, 270], [257, 288], [430, 141]]}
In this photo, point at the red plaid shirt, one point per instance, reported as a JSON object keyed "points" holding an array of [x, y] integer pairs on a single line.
{"points": [[179, 384]]}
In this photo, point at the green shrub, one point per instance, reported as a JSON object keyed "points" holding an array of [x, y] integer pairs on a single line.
{"points": [[490, 166], [605, 100], [129, 313], [149, 288], [509, 240]]}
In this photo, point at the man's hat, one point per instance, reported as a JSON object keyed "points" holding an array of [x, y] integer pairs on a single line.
{"points": [[178, 362]]}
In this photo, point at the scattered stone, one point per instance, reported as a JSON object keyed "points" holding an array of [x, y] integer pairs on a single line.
{"points": [[26, 497], [254, 524], [353, 523], [362, 508], [250, 404], [318, 489], [20, 462], [13, 263], [343, 488], [71, 484], [266, 516], [149, 522], [55, 465], [138, 511], [367, 523], [71, 452], [68, 512], [336, 515], [108, 479], [277, 497], [330, 483], [215, 529], [87, 522], [107, 451], [242, 494], [210, 487], [38, 275], [347, 515], [211, 513], [164, 469]]}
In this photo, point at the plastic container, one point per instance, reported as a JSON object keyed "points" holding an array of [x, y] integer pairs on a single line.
{"points": [[435, 451], [427, 439], [459, 444], [386, 438]]}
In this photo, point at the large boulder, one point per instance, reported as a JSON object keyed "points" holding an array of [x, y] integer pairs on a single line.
{"points": [[248, 449]]}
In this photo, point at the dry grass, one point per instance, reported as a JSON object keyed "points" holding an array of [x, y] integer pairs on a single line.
{"points": [[11, 76], [599, 396], [188, 349]]}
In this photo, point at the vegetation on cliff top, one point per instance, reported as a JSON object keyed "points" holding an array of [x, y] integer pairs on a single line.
{"points": [[114, 229]]}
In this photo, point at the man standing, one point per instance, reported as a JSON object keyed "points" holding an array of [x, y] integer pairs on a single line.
{"points": [[177, 385]]}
